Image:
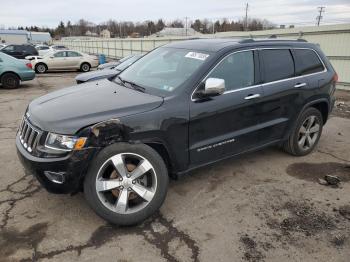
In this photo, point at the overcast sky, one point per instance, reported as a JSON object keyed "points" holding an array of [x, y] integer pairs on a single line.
{"points": [[50, 12]]}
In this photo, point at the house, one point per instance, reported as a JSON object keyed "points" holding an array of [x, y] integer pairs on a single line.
{"points": [[105, 33], [10, 36], [89, 33]]}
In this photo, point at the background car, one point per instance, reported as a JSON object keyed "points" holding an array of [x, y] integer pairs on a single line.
{"points": [[107, 73], [43, 49], [20, 51], [13, 71], [2, 46], [113, 64], [64, 60], [58, 47]]}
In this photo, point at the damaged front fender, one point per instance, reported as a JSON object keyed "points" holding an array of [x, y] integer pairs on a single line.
{"points": [[107, 132]]}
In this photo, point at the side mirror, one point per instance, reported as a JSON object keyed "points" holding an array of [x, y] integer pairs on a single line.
{"points": [[213, 87]]}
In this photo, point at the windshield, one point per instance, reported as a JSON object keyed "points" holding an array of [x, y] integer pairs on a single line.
{"points": [[124, 64], [164, 68]]}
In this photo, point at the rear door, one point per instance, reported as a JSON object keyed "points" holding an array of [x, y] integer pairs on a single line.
{"points": [[73, 59], [227, 124], [309, 65], [283, 93]]}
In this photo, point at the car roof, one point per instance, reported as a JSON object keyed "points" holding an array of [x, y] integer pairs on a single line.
{"points": [[216, 44]]}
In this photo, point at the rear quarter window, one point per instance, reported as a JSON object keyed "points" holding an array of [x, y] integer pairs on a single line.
{"points": [[278, 64], [307, 62]]}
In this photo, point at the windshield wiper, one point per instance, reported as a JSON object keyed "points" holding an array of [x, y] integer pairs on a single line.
{"points": [[121, 80], [134, 86]]}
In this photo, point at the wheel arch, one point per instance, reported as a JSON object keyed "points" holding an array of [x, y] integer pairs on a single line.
{"points": [[11, 72], [84, 62]]}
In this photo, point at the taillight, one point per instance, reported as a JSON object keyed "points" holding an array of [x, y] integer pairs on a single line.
{"points": [[335, 77], [29, 65]]}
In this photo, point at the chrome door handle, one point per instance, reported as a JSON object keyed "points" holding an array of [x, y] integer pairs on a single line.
{"points": [[252, 96], [300, 85]]}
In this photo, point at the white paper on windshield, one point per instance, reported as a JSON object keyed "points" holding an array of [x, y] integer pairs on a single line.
{"points": [[195, 55]]}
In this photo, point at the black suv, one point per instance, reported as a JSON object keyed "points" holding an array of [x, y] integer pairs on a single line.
{"points": [[20, 51], [184, 105]]}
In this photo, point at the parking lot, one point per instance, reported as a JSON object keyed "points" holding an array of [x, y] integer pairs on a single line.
{"points": [[264, 206]]}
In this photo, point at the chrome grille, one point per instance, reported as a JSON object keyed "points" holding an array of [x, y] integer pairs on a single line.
{"points": [[29, 135]]}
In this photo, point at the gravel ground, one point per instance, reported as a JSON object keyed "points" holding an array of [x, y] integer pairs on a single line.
{"points": [[264, 206]]}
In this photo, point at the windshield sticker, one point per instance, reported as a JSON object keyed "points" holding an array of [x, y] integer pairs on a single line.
{"points": [[168, 88], [195, 55]]}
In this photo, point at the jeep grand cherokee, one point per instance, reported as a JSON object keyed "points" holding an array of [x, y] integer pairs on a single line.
{"points": [[184, 105]]}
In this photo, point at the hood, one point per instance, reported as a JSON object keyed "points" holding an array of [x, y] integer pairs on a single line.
{"points": [[70, 109], [96, 75]]}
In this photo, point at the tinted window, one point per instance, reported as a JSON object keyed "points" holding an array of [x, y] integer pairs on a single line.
{"points": [[307, 62], [278, 64], [9, 48], [72, 54], [59, 54], [30, 48], [237, 70]]}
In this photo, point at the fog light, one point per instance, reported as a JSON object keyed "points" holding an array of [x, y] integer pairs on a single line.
{"points": [[56, 177]]}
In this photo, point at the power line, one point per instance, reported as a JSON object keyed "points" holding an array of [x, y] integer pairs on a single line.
{"points": [[319, 17]]}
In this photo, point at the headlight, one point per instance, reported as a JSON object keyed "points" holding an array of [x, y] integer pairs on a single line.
{"points": [[64, 143]]}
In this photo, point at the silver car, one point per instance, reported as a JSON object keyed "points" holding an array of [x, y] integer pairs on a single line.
{"points": [[64, 60]]}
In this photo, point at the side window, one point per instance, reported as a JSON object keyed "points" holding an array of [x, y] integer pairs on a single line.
{"points": [[277, 64], [59, 54], [9, 48], [72, 54], [307, 62], [236, 69]]}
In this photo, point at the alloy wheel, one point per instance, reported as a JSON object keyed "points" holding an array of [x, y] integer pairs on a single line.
{"points": [[126, 183], [85, 68], [41, 68], [308, 133]]}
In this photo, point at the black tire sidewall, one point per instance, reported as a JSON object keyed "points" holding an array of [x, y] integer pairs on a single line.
{"points": [[308, 112], [160, 194], [7, 76]]}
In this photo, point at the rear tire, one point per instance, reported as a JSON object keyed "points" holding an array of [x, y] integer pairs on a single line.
{"points": [[85, 67], [40, 68], [115, 191], [306, 133], [10, 81]]}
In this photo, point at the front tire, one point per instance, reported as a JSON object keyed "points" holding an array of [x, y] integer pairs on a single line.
{"points": [[126, 183], [306, 133], [85, 67], [10, 81]]}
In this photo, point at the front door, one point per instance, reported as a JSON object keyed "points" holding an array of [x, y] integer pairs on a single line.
{"points": [[58, 60], [227, 124]]}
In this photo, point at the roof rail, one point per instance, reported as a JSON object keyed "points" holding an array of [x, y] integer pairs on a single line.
{"points": [[271, 38]]}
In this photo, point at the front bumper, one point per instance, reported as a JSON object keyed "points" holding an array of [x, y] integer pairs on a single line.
{"points": [[71, 167]]}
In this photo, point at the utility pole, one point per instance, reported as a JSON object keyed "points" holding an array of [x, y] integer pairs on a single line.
{"points": [[246, 17], [321, 10], [186, 24]]}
